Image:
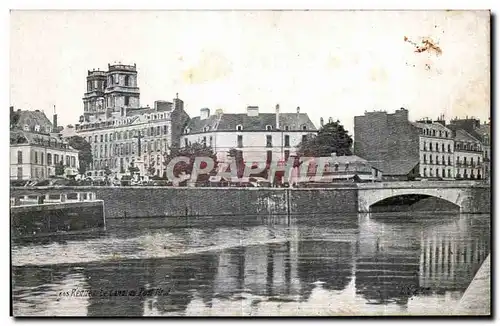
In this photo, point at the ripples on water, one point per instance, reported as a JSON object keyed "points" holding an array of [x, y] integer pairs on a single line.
{"points": [[315, 265]]}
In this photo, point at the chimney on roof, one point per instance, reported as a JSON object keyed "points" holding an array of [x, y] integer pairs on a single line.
{"points": [[204, 113], [321, 122], [252, 111], [54, 120], [11, 109], [277, 116]]}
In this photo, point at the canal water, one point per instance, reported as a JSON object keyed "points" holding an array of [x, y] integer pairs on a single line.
{"points": [[378, 264]]}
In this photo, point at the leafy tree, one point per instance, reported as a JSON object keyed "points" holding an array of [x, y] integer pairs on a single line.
{"points": [[331, 138], [192, 152], [84, 152], [60, 168]]}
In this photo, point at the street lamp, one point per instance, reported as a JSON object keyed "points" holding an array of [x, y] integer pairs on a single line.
{"points": [[139, 151]]}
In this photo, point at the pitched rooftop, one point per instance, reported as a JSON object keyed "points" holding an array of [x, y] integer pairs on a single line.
{"points": [[251, 122]]}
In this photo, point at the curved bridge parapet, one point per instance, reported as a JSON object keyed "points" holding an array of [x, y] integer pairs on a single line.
{"points": [[470, 196]]}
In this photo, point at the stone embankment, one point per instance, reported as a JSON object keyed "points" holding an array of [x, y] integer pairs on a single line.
{"points": [[476, 300]]}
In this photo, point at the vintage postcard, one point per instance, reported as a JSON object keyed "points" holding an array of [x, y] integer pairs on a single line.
{"points": [[250, 163]]}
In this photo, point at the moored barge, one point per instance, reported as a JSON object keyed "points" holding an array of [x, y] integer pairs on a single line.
{"points": [[42, 215]]}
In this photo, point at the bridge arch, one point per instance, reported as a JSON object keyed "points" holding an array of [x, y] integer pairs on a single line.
{"points": [[369, 197]]}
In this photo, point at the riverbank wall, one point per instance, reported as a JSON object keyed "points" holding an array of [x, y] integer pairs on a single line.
{"points": [[127, 202], [476, 300], [142, 201]]}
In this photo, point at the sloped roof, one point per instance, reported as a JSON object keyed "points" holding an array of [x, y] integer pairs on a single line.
{"points": [[150, 110], [395, 167], [471, 132], [484, 129], [23, 137], [229, 121], [436, 125], [32, 118], [462, 135]]}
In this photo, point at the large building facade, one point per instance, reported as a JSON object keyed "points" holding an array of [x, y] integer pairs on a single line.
{"points": [[36, 150], [436, 150], [120, 131], [478, 132], [420, 150], [261, 137], [468, 156]]}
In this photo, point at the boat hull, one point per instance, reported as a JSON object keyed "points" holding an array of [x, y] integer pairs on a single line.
{"points": [[33, 221]]}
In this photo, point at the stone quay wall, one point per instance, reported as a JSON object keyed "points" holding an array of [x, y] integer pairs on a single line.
{"points": [[122, 202], [142, 201]]}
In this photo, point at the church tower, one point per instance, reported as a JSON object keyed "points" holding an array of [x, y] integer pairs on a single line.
{"points": [[121, 87], [93, 99]]}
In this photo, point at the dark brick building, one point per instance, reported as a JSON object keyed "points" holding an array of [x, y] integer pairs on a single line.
{"points": [[389, 142]]}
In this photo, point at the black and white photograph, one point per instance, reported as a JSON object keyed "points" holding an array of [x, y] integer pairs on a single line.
{"points": [[250, 163]]}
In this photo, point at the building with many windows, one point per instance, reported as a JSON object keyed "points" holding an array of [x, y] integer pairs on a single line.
{"points": [[120, 131], [480, 132], [468, 156], [436, 150], [261, 137], [425, 149], [36, 155]]}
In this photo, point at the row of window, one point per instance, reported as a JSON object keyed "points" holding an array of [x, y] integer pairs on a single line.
{"points": [[437, 161], [120, 122], [115, 80], [49, 142], [434, 133], [460, 174], [37, 128], [269, 128], [129, 148], [443, 161], [39, 158], [123, 163], [436, 147], [240, 128], [112, 80], [475, 147], [459, 162], [129, 134], [239, 141], [458, 146]]}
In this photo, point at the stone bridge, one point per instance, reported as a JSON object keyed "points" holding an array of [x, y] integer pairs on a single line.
{"points": [[469, 196]]}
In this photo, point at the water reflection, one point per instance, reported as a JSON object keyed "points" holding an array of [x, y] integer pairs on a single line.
{"points": [[330, 265]]}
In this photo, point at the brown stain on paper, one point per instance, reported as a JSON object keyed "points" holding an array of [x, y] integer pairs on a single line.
{"points": [[210, 67], [425, 45]]}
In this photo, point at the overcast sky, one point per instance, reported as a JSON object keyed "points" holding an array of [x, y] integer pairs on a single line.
{"points": [[330, 63]]}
